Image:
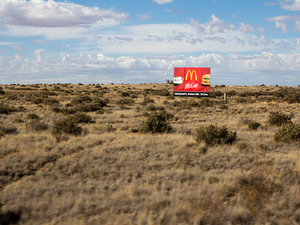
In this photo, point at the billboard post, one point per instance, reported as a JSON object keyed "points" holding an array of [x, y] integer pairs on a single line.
{"points": [[191, 81]]}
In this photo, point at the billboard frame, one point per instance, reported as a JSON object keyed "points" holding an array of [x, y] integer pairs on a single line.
{"points": [[191, 82]]}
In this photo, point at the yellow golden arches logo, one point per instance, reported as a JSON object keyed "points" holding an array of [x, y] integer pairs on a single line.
{"points": [[191, 74]]}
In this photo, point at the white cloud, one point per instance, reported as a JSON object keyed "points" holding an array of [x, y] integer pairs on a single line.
{"points": [[271, 3], [40, 41], [18, 48], [266, 68], [220, 39], [54, 20], [214, 26], [9, 43], [280, 22], [39, 55], [2, 53], [281, 25], [292, 5], [65, 45], [297, 41], [173, 38], [161, 2], [40, 13], [173, 11], [144, 17], [246, 28]]}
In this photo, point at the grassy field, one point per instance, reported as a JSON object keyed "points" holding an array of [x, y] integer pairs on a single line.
{"points": [[134, 154]]}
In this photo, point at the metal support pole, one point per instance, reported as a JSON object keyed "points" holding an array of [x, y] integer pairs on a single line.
{"points": [[225, 96]]}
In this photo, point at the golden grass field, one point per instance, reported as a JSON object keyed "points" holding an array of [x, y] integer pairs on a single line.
{"points": [[113, 174]]}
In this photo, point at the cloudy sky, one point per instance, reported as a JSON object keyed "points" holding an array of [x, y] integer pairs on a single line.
{"points": [[141, 41]]}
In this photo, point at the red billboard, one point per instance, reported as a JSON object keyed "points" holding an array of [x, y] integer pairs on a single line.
{"points": [[191, 81]]}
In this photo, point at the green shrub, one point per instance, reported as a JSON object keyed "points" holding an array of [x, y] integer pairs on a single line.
{"points": [[1, 91], [252, 125], [36, 100], [51, 101], [216, 94], [206, 102], [125, 94], [81, 118], [55, 109], [5, 109], [279, 119], [104, 127], [125, 101], [161, 92], [11, 96], [66, 126], [157, 122], [36, 125], [80, 99], [33, 116], [288, 132], [231, 93], [151, 107], [241, 100], [170, 97], [87, 107], [100, 112], [223, 106], [18, 120], [242, 146], [66, 111], [213, 135], [148, 100], [292, 97], [8, 130]]}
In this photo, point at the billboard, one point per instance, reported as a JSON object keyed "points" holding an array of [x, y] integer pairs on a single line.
{"points": [[191, 81]]}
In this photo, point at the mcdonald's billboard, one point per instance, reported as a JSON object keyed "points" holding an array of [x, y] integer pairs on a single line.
{"points": [[191, 81]]}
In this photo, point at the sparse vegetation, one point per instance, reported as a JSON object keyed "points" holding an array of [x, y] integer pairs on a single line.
{"points": [[88, 155]]}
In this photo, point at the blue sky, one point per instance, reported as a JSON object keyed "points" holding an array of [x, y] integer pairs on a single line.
{"points": [[141, 41]]}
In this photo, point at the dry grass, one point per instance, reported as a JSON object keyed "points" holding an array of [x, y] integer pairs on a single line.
{"points": [[112, 174]]}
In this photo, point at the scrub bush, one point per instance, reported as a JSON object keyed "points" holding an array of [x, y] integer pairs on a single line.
{"points": [[81, 99], [252, 125], [214, 135], [279, 119], [1, 91], [36, 125], [157, 122], [66, 126], [125, 101], [33, 116], [81, 118], [288, 132], [8, 130], [5, 109]]}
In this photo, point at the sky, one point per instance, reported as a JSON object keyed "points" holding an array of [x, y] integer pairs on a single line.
{"points": [[250, 42]]}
